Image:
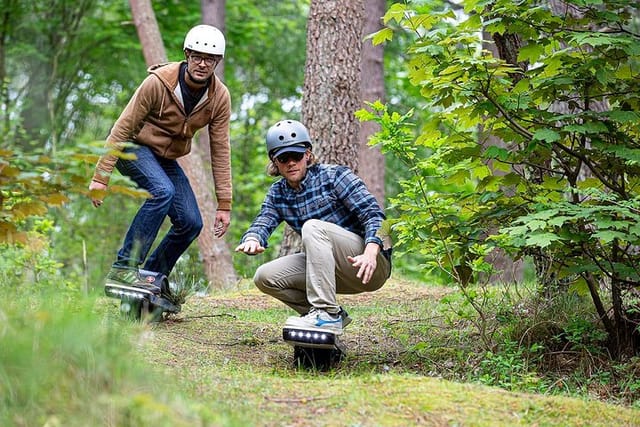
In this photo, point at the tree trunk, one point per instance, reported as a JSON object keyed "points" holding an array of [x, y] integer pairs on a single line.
{"points": [[216, 256], [371, 165], [148, 32], [215, 253], [506, 47], [331, 86], [620, 321], [332, 79]]}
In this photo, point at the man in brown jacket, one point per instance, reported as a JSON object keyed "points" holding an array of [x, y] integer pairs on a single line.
{"points": [[155, 128]]}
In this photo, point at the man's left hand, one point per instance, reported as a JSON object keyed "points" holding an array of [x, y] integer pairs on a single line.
{"points": [[223, 218], [366, 263]]}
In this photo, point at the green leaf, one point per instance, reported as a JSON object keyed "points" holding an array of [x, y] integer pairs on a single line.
{"points": [[547, 135], [26, 209], [603, 76], [542, 240], [531, 52], [624, 116], [585, 128], [580, 287], [608, 236], [495, 152], [558, 221], [536, 224], [396, 13], [379, 37]]}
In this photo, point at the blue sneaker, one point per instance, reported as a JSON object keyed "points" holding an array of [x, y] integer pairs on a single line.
{"points": [[317, 320]]}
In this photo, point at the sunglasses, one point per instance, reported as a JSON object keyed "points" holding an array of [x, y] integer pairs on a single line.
{"points": [[286, 157]]}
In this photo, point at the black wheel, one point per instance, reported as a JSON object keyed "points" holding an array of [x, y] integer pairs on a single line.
{"points": [[131, 308], [318, 359], [336, 356], [150, 312], [153, 313]]}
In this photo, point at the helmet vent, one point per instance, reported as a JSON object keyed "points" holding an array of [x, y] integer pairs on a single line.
{"points": [[293, 135]]}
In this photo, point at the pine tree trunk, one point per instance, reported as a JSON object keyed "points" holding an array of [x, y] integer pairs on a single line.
{"points": [[148, 32], [331, 86], [506, 47], [371, 165], [216, 255], [332, 79]]}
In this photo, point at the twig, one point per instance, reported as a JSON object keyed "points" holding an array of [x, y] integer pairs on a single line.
{"points": [[203, 316], [300, 400]]}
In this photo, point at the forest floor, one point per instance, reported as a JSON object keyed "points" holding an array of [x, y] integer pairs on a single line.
{"points": [[225, 351]]}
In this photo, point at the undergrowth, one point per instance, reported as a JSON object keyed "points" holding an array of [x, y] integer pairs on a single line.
{"points": [[64, 364], [521, 341]]}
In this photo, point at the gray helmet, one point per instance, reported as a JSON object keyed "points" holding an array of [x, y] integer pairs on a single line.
{"points": [[287, 135]]}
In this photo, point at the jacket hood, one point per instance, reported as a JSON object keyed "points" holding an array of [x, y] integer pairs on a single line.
{"points": [[167, 72]]}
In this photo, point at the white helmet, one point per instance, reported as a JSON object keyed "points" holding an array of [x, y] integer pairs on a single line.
{"points": [[205, 39]]}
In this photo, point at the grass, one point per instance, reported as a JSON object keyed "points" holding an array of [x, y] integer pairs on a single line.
{"points": [[221, 362], [225, 351]]}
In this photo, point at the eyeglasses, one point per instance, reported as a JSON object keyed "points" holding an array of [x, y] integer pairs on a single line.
{"points": [[286, 157], [208, 60]]}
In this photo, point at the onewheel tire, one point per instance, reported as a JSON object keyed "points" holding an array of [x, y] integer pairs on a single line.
{"points": [[319, 359], [131, 309]]}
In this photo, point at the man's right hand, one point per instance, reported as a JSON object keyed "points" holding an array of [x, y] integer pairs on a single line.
{"points": [[95, 185], [250, 247]]}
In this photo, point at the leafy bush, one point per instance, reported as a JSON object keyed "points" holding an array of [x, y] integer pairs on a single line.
{"points": [[533, 151]]}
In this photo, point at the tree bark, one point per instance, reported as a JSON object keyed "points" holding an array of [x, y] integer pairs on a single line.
{"points": [[371, 164], [148, 32], [331, 87], [215, 253], [620, 322], [216, 256], [332, 79], [506, 47]]}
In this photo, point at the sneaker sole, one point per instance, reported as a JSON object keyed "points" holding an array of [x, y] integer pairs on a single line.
{"points": [[346, 321], [164, 304]]}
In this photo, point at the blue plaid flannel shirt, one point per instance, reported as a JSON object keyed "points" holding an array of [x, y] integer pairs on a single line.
{"points": [[330, 193]]}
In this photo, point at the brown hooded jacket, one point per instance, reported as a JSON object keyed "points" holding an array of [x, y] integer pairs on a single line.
{"points": [[155, 117]]}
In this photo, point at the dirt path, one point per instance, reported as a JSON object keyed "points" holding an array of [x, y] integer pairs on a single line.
{"points": [[246, 327]]}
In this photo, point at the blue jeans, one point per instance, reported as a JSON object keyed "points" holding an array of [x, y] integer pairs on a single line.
{"points": [[171, 195]]}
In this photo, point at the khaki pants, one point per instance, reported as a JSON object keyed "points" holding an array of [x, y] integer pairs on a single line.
{"points": [[313, 277]]}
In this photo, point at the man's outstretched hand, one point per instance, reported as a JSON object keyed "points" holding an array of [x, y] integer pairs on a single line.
{"points": [[250, 247]]}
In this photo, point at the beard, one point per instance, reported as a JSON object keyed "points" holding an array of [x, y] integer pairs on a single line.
{"points": [[196, 80]]}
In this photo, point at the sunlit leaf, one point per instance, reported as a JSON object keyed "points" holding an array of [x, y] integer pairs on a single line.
{"points": [[23, 210]]}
